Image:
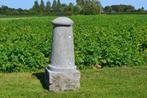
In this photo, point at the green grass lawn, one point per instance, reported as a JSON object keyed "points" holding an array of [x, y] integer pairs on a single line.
{"points": [[145, 56], [125, 82]]}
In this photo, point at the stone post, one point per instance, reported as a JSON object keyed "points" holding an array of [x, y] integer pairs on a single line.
{"points": [[62, 74]]}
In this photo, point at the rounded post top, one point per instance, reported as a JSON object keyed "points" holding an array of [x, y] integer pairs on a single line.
{"points": [[62, 21]]}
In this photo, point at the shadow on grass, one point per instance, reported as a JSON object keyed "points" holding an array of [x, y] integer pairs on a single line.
{"points": [[41, 77]]}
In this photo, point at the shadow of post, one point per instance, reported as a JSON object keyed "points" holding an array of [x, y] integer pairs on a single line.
{"points": [[41, 77]]}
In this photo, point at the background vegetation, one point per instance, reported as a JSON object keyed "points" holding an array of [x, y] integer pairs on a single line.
{"points": [[107, 40], [83, 7]]}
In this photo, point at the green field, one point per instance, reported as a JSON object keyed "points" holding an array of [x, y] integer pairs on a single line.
{"points": [[125, 82], [108, 40]]}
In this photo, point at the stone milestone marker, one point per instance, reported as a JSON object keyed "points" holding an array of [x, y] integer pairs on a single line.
{"points": [[62, 74]]}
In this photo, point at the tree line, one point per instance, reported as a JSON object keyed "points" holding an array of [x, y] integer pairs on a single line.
{"points": [[123, 9], [83, 7]]}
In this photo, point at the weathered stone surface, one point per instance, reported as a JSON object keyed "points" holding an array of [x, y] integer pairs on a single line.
{"points": [[62, 47], [62, 74], [63, 21], [62, 81]]}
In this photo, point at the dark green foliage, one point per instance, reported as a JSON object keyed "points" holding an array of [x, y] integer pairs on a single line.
{"points": [[25, 44], [80, 2], [83, 7], [54, 5], [42, 6], [89, 7], [126, 9], [69, 9], [123, 8], [141, 10], [48, 7], [108, 9], [36, 6], [110, 41], [58, 4]]}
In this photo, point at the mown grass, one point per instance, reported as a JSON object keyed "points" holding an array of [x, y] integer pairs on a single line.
{"points": [[145, 56], [125, 82]]}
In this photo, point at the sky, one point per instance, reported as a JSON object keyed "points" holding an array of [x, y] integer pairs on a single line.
{"points": [[26, 4]]}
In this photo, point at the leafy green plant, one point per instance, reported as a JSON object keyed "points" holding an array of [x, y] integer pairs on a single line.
{"points": [[114, 40]]}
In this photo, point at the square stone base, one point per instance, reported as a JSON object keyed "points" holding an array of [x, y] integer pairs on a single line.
{"points": [[62, 81]]}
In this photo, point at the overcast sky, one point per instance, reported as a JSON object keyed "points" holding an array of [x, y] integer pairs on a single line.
{"points": [[26, 4]]}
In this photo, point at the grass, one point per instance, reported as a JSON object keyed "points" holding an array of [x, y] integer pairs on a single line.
{"points": [[145, 56], [124, 82]]}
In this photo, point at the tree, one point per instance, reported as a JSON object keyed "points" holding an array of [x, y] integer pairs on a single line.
{"points": [[58, 4], [108, 9], [54, 5], [58, 7], [80, 2], [69, 9], [129, 8], [141, 10], [48, 7], [5, 10], [122, 8], [42, 7], [76, 9], [91, 7], [99, 5], [63, 7], [36, 6]]}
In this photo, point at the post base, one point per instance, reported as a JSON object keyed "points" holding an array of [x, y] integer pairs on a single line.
{"points": [[62, 81]]}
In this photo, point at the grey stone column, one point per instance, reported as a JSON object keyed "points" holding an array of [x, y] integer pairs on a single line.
{"points": [[62, 74]]}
